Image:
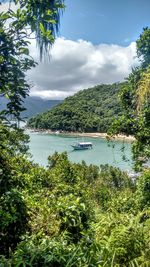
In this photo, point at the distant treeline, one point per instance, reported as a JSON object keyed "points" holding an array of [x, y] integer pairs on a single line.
{"points": [[32, 105], [90, 110]]}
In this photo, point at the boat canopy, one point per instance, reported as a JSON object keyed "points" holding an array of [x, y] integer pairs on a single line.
{"points": [[82, 145], [85, 143]]}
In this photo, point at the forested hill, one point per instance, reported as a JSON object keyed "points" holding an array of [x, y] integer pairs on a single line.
{"points": [[90, 110]]}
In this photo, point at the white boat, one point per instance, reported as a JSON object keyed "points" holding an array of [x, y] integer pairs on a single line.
{"points": [[57, 132], [82, 145]]}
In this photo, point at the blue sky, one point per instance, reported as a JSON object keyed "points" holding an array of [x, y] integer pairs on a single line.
{"points": [[105, 21]]}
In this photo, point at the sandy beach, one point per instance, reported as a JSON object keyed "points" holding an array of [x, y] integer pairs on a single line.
{"points": [[104, 135], [92, 135]]}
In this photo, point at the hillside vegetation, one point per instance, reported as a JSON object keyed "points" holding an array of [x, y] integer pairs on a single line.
{"points": [[72, 214], [90, 110]]}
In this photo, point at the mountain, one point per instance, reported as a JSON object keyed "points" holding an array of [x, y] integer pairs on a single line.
{"points": [[33, 105], [90, 110]]}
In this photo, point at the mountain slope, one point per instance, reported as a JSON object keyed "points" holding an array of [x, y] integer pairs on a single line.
{"points": [[90, 110], [33, 105]]}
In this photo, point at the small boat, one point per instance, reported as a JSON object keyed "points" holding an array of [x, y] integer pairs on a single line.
{"points": [[82, 145], [57, 132]]}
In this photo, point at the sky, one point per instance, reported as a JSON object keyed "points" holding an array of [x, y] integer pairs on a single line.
{"points": [[96, 44], [105, 21]]}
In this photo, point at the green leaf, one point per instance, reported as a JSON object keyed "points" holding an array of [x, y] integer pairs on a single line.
{"points": [[4, 16], [24, 50], [42, 29]]}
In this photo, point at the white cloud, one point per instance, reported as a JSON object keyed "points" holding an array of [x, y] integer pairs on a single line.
{"points": [[49, 94], [76, 65]]}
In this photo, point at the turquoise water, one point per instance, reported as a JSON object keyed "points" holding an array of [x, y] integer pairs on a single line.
{"points": [[43, 145]]}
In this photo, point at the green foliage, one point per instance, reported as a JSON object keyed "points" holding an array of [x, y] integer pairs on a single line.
{"points": [[73, 215], [143, 47], [114, 178], [39, 17], [102, 195], [143, 190], [135, 97], [12, 145], [13, 211], [126, 202], [64, 171], [126, 243], [114, 189], [32, 18], [14, 64], [89, 110], [14, 220], [55, 252]]}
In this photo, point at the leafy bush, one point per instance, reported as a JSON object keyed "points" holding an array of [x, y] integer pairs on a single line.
{"points": [[126, 243], [143, 190], [114, 178], [73, 215], [13, 218]]}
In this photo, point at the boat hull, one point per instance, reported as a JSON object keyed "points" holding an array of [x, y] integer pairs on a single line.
{"points": [[81, 147]]}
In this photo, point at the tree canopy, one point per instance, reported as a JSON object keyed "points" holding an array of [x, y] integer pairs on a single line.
{"points": [[135, 97], [32, 19]]}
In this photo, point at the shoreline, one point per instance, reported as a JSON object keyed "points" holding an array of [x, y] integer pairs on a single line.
{"points": [[92, 135]]}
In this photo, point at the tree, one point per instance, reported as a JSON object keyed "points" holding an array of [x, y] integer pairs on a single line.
{"points": [[32, 19], [40, 19], [15, 61], [135, 97], [143, 47], [143, 90]]}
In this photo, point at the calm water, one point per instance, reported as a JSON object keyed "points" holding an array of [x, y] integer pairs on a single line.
{"points": [[43, 145]]}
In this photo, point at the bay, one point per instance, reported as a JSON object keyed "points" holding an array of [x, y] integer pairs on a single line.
{"points": [[42, 145]]}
